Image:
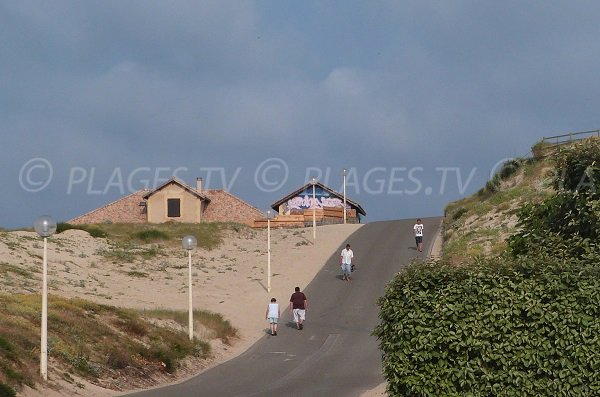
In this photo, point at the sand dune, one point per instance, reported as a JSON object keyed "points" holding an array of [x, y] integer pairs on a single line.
{"points": [[230, 280]]}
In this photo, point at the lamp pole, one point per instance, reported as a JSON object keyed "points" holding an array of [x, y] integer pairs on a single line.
{"points": [[189, 243], [45, 227], [314, 208], [269, 214], [344, 173]]}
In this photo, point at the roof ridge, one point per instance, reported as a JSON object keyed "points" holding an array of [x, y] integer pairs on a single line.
{"points": [[181, 183]]}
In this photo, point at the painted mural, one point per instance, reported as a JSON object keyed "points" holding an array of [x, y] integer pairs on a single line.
{"points": [[304, 200]]}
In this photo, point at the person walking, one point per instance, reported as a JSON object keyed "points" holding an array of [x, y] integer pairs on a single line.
{"points": [[346, 262], [273, 313], [298, 306], [418, 228]]}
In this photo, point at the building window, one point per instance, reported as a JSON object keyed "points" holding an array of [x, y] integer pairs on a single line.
{"points": [[173, 208]]}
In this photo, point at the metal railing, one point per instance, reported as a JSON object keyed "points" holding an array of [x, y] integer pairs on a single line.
{"points": [[570, 137]]}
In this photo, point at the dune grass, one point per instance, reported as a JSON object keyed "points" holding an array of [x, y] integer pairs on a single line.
{"points": [[93, 340], [222, 329], [478, 225], [208, 234]]}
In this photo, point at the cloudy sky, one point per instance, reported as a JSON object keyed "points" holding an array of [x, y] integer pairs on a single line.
{"points": [[419, 100]]}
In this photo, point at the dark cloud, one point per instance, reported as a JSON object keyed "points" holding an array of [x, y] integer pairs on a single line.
{"points": [[442, 90]]}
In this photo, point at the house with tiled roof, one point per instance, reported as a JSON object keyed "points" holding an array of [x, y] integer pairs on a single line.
{"points": [[173, 201]]}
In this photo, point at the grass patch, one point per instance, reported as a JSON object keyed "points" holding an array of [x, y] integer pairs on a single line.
{"points": [[7, 391], [93, 230], [94, 340], [151, 235], [222, 328], [8, 268], [126, 252], [208, 234], [467, 221], [138, 274]]}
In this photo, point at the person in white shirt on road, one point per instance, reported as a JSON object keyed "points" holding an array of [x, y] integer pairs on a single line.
{"points": [[418, 228], [273, 313], [346, 262]]}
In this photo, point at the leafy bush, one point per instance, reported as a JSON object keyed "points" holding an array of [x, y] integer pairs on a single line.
{"points": [[577, 166], [567, 223], [502, 326], [570, 219]]}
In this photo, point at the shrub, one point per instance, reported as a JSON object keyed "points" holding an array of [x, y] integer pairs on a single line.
{"points": [[119, 359], [509, 168], [499, 327], [131, 324], [7, 391], [540, 149], [570, 219], [92, 230], [459, 213], [491, 186], [577, 166]]}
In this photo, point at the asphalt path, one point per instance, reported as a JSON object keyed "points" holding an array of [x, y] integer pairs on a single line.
{"points": [[335, 354]]}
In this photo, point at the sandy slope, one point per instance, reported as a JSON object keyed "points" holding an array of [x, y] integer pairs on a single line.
{"points": [[230, 280]]}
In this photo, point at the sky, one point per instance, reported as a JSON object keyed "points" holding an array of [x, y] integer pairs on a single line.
{"points": [[419, 100]]}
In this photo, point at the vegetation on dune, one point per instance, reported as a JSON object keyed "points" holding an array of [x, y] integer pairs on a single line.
{"points": [[208, 234], [479, 225], [130, 242], [567, 223], [99, 342], [95, 341], [522, 322]]}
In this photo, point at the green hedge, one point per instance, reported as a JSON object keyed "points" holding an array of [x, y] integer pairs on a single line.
{"points": [[502, 326]]}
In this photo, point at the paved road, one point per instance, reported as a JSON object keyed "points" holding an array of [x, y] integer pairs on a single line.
{"points": [[335, 354]]}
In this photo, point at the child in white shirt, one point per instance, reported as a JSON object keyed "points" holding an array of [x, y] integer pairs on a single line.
{"points": [[273, 313]]}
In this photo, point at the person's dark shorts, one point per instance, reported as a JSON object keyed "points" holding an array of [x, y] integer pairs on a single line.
{"points": [[419, 239]]}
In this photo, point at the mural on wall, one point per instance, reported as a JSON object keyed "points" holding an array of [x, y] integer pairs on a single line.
{"points": [[323, 198]]}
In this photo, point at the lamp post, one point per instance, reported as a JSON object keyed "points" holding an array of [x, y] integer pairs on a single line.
{"points": [[344, 173], [269, 216], [45, 226], [314, 208], [189, 243]]}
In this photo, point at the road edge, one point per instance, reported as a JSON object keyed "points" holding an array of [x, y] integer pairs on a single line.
{"points": [[435, 252]]}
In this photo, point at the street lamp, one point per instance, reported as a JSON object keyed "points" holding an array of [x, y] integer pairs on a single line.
{"points": [[269, 216], [189, 243], [344, 173], [45, 226], [314, 207]]}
